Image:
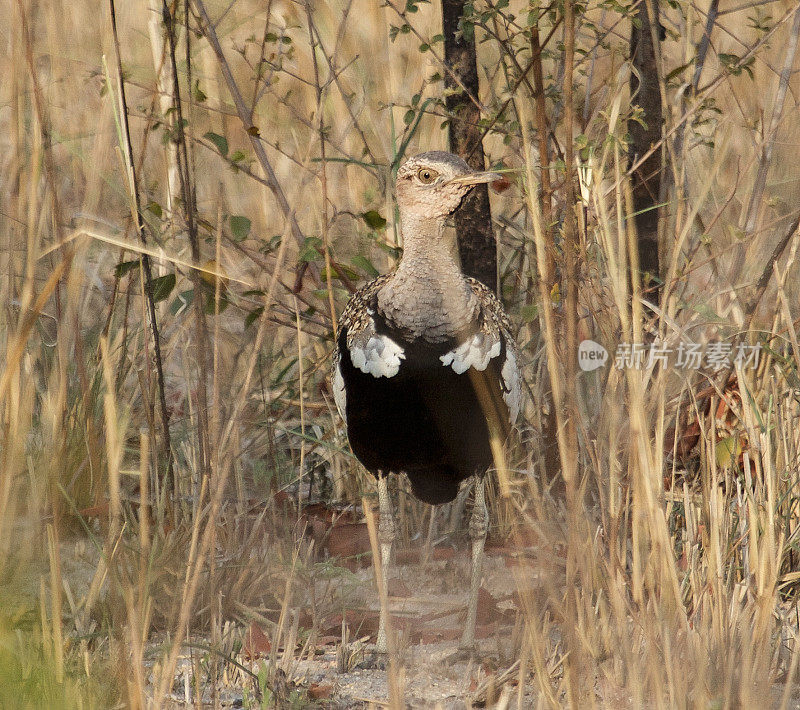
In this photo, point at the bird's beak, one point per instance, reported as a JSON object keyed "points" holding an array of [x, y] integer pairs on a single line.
{"points": [[475, 178]]}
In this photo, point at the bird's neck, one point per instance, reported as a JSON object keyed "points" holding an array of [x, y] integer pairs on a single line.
{"points": [[427, 296], [426, 244]]}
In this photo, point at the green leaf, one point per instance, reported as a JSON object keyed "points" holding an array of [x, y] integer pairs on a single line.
{"points": [[182, 302], [361, 262], [393, 251], [409, 117], [335, 271], [161, 287], [727, 451], [424, 47], [240, 227], [210, 306], [155, 208], [199, 95], [677, 72], [221, 142], [253, 316], [529, 313], [237, 155], [311, 249], [124, 267], [373, 219], [467, 29]]}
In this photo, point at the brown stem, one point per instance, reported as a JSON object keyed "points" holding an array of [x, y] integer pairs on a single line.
{"points": [[542, 133], [476, 243], [569, 454], [646, 178], [190, 216], [324, 173], [765, 159], [167, 481], [246, 118]]}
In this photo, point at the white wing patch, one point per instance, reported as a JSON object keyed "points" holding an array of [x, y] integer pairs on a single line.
{"points": [[339, 392], [475, 352], [380, 357], [512, 387]]}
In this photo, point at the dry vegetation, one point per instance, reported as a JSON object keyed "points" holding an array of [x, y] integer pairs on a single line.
{"points": [[669, 578]]}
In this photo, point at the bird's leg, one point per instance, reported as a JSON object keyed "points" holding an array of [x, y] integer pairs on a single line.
{"points": [[478, 526], [386, 535]]}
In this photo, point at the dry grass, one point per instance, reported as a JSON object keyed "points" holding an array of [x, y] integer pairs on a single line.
{"points": [[669, 581]]}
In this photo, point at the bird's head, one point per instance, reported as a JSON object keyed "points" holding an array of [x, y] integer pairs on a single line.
{"points": [[433, 184]]}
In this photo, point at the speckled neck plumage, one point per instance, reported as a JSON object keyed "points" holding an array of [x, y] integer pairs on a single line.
{"points": [[427, 297]]}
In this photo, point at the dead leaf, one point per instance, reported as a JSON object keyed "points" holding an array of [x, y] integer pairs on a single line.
{"points": [[350, 543], [95, 511], [318, 691], [488, 611], [256, 642], [501, 185]]}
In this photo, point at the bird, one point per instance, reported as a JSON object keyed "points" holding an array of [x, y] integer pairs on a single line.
{"points": [[425, 370]]}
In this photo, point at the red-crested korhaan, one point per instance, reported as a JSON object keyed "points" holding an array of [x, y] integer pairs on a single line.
{"points": [[425, 371]]}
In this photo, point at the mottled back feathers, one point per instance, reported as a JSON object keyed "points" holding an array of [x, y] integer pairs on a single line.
{"points": [[379, 355]]}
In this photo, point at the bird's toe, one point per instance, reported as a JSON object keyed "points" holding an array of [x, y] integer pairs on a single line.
{"points": [[464, 654], [374, 659]]}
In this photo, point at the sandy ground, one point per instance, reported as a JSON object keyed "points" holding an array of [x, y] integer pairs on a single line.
{"points": [[427, 603]]}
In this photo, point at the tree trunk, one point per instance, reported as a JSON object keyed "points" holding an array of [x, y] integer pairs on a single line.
{"points": [[476, 243], [645, 93]]}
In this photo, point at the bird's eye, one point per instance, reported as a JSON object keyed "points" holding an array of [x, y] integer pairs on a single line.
{"points": [[427, 176]]}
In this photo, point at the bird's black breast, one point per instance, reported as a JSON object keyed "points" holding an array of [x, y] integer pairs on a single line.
{"points": [[425, 421]]}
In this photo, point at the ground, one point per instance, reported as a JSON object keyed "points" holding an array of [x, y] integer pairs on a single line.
{"points": [[324, 653], [427, 602]]}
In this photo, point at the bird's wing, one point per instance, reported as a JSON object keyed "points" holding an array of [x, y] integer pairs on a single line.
{"points": [[493, 340], [378, 355], [374, 354]]}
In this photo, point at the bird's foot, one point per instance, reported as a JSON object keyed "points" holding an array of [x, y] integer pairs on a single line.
{"points": [[358, 655], [464, 654], [374, 659]]}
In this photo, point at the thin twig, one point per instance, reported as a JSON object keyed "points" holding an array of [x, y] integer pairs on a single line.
{"points": [[246, 118], [705, 43], [537, 57], [440, 60], [168, 483], [335, 75], [768, 145], [189, 204], [324, 168]]}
